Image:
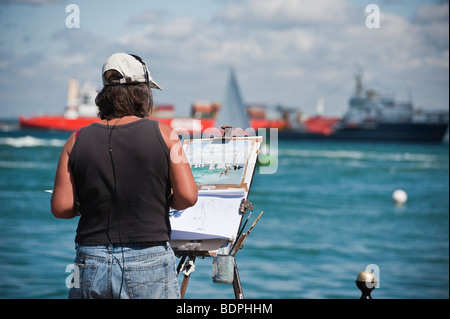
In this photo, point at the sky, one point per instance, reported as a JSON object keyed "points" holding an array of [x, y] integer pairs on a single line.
{"points": [[284, 52]]}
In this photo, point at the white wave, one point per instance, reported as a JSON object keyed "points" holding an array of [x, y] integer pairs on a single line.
{"points": [[26, 165], [323, 153], [358, 155], [30, 141]]}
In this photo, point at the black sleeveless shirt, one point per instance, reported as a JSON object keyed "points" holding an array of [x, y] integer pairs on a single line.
{"points": [[123, 197]]}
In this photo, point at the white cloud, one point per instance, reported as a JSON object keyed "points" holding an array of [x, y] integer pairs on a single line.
{"points": [[146, 17], [307, 49], [431, 13], [71, 61], [284, 51], [285, 14], [32, 1]]}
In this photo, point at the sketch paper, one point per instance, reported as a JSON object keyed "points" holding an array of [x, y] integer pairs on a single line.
{"points": [[223, 170], [215, 215]]}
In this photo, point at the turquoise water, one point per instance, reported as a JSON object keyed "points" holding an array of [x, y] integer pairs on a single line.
{"points": [[328, 214]]}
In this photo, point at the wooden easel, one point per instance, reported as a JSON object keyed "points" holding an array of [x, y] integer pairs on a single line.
{"points": [[190, 263], [189, 250], [238, 292]]}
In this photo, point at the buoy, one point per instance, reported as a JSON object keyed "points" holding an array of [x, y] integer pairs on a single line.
{"points": [[399, 196]]}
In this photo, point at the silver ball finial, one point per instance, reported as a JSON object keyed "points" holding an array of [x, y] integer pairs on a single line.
{"points": [[366, 282]]}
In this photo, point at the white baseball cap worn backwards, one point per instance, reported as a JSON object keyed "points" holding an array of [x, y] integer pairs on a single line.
{"points": [[131, 67]]}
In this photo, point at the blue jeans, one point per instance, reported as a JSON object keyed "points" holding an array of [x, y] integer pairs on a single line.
{"points": [[125, 271]]}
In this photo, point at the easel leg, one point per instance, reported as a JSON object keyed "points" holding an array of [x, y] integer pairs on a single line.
{"points": [[238, 293], [237, 287], [183, 259], [187, 275], [184, 286]]}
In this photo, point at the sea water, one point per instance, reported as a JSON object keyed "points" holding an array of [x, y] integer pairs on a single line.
{"points": [[328, 214]]}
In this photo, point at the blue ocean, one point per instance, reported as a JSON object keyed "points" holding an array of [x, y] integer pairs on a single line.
{"points": [[328, 215]]}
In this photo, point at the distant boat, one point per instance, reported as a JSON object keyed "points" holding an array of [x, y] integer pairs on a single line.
{"points": [[81, 110], [379, 118], [233, 112]]}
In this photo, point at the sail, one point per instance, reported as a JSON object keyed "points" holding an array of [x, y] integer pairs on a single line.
{"points": [[233, 111]]}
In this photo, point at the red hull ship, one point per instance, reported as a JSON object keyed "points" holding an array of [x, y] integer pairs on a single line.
{"points": [[55, 122], [82, 111], [191, 125]]}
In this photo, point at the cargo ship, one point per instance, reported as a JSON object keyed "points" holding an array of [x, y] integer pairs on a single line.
{"points": [[370, 117], [81, 111], [375, 118]]}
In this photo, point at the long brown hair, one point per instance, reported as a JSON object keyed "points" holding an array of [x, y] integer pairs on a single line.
{"points": [[116, 101]]}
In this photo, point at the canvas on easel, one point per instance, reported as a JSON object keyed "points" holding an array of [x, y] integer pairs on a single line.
{"points": [[223, 169]]}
